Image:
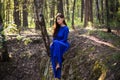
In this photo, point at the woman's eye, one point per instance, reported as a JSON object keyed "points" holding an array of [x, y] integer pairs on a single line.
{"points": [[58, 18]]}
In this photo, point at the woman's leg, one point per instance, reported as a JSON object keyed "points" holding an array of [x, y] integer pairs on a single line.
{"points": [[57, 66]]}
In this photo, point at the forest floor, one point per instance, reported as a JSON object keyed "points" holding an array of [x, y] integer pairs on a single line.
{"points": [[94, 55]]}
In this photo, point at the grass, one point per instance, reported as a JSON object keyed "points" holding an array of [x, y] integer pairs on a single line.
{"points": [[110, 37]]}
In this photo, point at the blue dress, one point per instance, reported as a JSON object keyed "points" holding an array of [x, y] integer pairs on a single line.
{"points": [[59, 46]]}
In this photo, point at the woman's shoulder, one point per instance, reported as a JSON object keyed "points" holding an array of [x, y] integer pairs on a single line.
{"points": [[66, 28]]}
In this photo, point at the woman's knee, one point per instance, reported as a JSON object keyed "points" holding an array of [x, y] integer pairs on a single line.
{"points": [[56, 42]]}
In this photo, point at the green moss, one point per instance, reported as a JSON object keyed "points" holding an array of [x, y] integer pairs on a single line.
{"points": [[99, 71]]}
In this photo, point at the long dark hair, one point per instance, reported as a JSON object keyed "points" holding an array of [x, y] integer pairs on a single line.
{"points": [[56, 25]]}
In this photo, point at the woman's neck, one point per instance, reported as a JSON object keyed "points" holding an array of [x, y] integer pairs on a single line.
{"points": [[62, 25]]}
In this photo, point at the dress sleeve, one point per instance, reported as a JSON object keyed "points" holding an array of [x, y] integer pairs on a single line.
{"points": [[66, 32]]}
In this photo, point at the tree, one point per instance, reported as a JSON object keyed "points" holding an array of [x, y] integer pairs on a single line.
{"points": [[17, 13], [82, 9], [60, 6], [107, 16], [102, 12], [98, 10], [68, 13], [41, 25], [73, 14], [5, 55], [52, 12], [88, 12], [25, 14]]}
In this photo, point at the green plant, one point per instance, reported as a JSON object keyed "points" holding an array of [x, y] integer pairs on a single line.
{"points": [[116, 56], [26, 40], [11, 28]]}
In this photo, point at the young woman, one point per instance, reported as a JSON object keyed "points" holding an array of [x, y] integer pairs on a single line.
{"points": [[59, 44]]}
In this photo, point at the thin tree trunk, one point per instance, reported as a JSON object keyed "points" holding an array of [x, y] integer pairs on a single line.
{"points": [[41, 24], [25, 14], [1, 7], [68, 13], [52, 13], [98, 10], [73, 14], [8, 11], [46, 8], [107, 16], [91, 11], [88, 12], [5, 55], [60, 6], [102, 19], [82, 9], [16, 13]]}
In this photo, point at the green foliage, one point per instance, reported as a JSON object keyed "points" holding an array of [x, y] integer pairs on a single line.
{"points": [[11, 28], [24, 39], [19, 37], [116, 56], [105, 35], [27, 40], [77, 23]]}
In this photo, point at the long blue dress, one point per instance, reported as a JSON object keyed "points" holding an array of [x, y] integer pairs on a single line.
{"points": [[59, 46]]}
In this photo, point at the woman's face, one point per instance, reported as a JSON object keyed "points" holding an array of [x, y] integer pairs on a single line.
{"points": [[60, 20]]}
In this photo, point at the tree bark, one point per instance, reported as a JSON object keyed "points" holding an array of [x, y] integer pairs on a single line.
{"points": [[102, 16], [68, 13], [73, 14], [17, 13], [41, 23], [88, 12], [97, 10], [52, 13], [25, 14], [107, 16], [5, 55], [82, 9], [60, 6]]}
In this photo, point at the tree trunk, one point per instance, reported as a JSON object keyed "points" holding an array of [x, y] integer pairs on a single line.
{"points": [[25, 14], [86, 19], [5, 55], [91, 11], [8, 11], [60, 6], [41, 25], [102, 16], [98, 10], [88, 12], [107, 16], [1, 7], [16, 13], [52, 13], [73, 14], [82, 9], [68, 13]]}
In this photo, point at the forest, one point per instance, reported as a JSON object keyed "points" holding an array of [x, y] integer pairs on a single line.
{"points": [[26, 28]]}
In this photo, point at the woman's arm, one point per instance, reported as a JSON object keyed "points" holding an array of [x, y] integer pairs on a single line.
{"points": [[66, 32]]}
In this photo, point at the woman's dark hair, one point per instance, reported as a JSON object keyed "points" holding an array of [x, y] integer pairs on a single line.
{"points": [[1, 21], [56, 25]]}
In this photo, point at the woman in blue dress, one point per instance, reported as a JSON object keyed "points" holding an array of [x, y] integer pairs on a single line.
{"points": [[59, 44]]}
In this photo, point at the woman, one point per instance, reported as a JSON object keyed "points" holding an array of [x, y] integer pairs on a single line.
{"points": [[59, 45]]}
